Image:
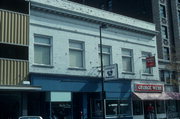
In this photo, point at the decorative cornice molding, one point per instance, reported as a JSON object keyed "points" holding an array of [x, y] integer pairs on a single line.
{"points": [[90, 18]]}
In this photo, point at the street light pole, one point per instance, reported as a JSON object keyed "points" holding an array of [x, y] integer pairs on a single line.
{"points": [[102, 73]]}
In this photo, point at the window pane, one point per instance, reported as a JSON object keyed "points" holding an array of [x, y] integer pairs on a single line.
{"points": [[160, 106], [166, 53], [41, 54], [164, 32], [127, 64], [106, 60], [126, 52], [167, 77], [111, 107], [76, 58], [125, 108], [75, 45], [106, 55], [42, 40], [162, 11], [145, 69], [137, 108]]}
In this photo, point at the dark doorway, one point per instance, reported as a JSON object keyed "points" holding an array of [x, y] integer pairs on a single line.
{"points": [[77, 105], [149, 110]]}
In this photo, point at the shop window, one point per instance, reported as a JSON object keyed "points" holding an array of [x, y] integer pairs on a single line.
{"points": [[171, 106], [127, 60], [164, 32], [162, 11], [106, 55], [96, 108], [42, 50], [76, 54], [160, 106], [13, 51], [118, 108], [137, 108], [146, 70]]}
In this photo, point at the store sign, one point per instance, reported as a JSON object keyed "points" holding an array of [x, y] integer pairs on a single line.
{"points": [[150, 61], [148, 88], [111, 72]]}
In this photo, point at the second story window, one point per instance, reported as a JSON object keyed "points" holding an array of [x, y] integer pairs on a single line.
{"points": [[146, 70], [127, 60], [164, 32], [76, 54], [166, 53], [106, 55], [42, 50], [162, 11]]}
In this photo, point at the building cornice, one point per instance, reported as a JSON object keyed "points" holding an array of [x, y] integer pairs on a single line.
{"points": [[121, 22]]}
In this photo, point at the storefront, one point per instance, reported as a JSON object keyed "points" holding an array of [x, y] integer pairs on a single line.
{"points": [[149, 100], [117, 102], [73, 97]]}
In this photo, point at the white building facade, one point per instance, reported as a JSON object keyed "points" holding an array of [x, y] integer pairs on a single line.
{"points": [[64, 58]]}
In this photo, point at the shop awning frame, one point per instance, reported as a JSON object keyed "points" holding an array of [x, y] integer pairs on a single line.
{"points": [[151, 96]]}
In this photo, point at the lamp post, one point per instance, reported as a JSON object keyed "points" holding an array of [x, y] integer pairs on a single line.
{"points": [[102, 73]]}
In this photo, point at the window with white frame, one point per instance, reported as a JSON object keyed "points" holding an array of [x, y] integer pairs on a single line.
{"points": [[42, 50], [106, 55], [76, 54], [146, 70], [127, 60]]}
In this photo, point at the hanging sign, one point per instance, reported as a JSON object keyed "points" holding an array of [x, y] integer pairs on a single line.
{"points": [[150, 61], [110, 72]]}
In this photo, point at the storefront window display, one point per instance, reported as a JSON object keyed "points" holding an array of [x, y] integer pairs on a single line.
{"points": [[118, 108], [61, 110], [160, 106], [172, 109], [137, 107]]}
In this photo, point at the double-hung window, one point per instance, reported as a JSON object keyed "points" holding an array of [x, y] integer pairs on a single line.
{"points": [[127, 60], [42, 50], [76, 54], [146, 70], [106, 55]]}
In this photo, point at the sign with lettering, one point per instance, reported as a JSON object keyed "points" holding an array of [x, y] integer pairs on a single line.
{"points": [[110, 72], [148, 88], [150, 62]]}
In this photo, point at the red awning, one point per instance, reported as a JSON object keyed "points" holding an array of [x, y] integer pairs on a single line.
{"points": [[174, 95], [151, 96]]}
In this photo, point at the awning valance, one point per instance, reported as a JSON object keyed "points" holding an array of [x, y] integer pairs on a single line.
{"points": [[151, 96], [174, 95]]}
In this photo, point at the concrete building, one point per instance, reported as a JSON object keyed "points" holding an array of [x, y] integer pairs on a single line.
{"points": [[64, 60]]}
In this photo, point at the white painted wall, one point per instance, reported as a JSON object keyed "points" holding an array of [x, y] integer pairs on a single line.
{"points": [[61, 29]]}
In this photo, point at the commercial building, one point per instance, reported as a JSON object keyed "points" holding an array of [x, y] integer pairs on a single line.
{"points": [[64, 60]]}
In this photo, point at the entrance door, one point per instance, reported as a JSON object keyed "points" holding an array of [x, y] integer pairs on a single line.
{"points": [[77, 105], [149, 110]]}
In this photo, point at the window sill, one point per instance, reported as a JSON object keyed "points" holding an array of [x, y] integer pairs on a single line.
{"points": [[131, 73], [77, 68], [144, 74], [43, 65]]}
